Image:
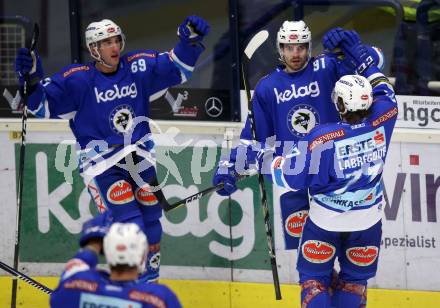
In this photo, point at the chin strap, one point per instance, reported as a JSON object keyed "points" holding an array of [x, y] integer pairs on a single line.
{"points": [[98, 58]]}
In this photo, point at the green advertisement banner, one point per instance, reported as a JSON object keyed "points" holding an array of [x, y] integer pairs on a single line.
{"points": [[215, 232]]}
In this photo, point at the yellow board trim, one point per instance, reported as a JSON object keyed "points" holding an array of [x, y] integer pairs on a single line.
{"points": [[222, 294]]}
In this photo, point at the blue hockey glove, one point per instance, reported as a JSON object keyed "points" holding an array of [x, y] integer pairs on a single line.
{"points": [[28, 63], [356, 52], [351, 38], [193, 29], [96, 227], [227, 174], [333, 38]]}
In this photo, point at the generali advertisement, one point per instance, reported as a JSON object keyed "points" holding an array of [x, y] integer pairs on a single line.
{"points": [[214, 238]]}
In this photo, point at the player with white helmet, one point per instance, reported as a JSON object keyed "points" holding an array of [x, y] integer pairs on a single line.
{"points": [[99, 38], [287, 104], [341, 163], [294, 45], [125, 244], [125, 247], [352, 93], [107, 104]]}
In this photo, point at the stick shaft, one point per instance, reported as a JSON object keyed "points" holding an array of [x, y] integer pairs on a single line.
{"points": [[264, 206]]}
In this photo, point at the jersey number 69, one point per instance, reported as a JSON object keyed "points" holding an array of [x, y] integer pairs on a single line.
{"points": [[140, 65]]}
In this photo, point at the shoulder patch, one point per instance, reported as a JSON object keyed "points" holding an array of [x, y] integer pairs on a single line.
{"points": [[81, 284], [146, 297], [326, 137], [385, 117], [76, 69], [141, 54], [74, 266]]}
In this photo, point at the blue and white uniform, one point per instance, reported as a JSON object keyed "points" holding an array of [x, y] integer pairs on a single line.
{"points": [[287, 106], [102, 108], [108, 114], [342, 166], [81, 285]]}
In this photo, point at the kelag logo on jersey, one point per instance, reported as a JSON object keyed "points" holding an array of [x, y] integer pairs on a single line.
{"points": [[301, 119], [121, 119], [112, 94], [311, 89]]}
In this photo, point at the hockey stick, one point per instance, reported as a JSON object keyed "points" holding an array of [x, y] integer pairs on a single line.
{"points": [[250, 49], [25, 278], [168, 207], [34, 40]]}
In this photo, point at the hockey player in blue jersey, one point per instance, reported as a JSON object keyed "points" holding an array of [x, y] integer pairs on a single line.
{"points": [[107, 105], [287, 104], [125, 247], [342, 163]]}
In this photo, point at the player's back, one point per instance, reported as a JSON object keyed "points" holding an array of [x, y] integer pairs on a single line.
{"points": [[91, 288], [350, 170]]}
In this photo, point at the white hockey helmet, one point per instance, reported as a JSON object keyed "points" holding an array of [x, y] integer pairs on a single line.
{"points": [[294, 32], [126, 244], [100, 30], [355, 91]]}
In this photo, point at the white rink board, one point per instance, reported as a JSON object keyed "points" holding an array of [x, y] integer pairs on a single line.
{"points": [[403, 264]]}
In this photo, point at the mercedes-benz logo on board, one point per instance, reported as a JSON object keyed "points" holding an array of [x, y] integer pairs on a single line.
{"points": [[213, 107]]}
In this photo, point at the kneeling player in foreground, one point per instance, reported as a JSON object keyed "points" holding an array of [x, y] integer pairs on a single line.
{"points": [[342, 164], [125, 248]]}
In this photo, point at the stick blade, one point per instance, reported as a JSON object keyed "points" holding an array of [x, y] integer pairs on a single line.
{"points": [[256, 42]]}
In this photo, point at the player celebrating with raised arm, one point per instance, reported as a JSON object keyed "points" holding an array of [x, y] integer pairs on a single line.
{"points": [[125, 247], [342, 163], [287, 104], [107, 105]]}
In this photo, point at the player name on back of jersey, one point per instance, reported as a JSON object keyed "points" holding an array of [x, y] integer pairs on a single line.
{"points": [[312, 89], [366, 148], [116, 93]]}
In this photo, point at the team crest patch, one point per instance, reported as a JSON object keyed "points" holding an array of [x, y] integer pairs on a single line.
{"points": [[121, 119], [145, 196], [295, 223], [301, 119], [318, 252], [154, 261], [362, 256], [120, 193]]}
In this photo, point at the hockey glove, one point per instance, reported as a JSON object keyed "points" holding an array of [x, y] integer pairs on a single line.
{"points": [[95, 228], [227, 174], [28, 62], [356, 52], [333, 38], [264, 159], [193, 29]]}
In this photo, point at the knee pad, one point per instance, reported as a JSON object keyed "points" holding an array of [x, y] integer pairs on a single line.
{"points": [[294, 212], [314, 294], [116, 196], [349, 294]]}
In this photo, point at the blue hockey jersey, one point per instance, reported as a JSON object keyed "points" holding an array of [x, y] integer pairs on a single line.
{"points": [[108, 113], [287, 106], [342, 165], [82, 286]]}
